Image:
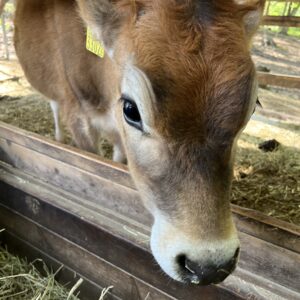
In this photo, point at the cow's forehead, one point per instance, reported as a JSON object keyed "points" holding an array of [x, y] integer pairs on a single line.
{"points": [[200, 68], [202, 111], [172, 45], [196, 92]]}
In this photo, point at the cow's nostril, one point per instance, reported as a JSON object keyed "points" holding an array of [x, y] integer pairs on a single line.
{"points": [[205, 274], [188, 274], [181, 260]]}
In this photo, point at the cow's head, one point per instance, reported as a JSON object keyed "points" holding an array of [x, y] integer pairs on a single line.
{"points": [[187, 87]]}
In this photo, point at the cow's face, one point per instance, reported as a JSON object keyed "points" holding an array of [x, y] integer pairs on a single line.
{"points": [[187, 88]]}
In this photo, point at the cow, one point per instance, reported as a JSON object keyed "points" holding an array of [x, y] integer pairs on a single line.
{"points": [[174, 90]]}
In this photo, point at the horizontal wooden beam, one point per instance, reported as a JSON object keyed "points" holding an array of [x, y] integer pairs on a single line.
{"points": [[281, 21], [286, 81]]}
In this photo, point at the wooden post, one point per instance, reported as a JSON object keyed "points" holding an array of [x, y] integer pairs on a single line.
{"points": [[5, 40], [266, 13], [285, 8]]}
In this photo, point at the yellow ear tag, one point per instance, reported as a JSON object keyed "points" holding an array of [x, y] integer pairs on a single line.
{"points": [[93, 45]]}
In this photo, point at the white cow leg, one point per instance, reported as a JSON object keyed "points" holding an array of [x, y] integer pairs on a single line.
{"points": [[59, 134], [119, 154]]}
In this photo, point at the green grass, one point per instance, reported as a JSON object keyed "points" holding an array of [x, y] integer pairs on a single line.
{"points": [[277, 9], [292, 31]]}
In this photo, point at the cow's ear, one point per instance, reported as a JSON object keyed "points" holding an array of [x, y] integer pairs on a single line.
{"points": [[252, 14], [105, 19]]}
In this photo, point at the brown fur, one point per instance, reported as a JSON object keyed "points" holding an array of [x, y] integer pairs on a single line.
{"points": [[193, 72], [48, 47]]}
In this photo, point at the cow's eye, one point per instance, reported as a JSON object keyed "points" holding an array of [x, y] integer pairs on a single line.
{"points": [[131, 113]]}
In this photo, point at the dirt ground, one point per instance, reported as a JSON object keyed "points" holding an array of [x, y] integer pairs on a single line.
{"points": [[268, 182]]}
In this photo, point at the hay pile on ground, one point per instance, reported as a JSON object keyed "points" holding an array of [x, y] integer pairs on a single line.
{"points": [[269, 182]]}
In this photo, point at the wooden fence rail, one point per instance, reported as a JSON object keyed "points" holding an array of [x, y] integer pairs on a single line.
{"points": [[281, 21], [72, 208], [285, 21], [278, 80]]}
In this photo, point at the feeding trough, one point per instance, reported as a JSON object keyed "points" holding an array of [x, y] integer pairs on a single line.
{"points": [[76, 209]]}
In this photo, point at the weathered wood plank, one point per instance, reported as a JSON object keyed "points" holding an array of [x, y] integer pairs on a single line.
{"points": [[23, 188], [282, 267], [269, 229], [94, 188], [67, 154], [252, 285], [286, 81]]}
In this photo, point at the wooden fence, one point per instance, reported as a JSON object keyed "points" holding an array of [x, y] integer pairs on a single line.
{"points": [[285, 20], [73, 208], [281, 21]]}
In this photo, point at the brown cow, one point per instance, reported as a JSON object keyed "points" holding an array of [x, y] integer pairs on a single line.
{"points": [[174, 90]]}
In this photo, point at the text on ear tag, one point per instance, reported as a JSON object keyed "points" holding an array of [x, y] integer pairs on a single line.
{"points": [[93, 45]]}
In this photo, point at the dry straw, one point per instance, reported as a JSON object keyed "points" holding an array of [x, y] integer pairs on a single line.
{"points": [[269, 182], [20, 280]]}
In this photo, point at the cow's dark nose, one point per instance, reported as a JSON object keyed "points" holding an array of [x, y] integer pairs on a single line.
{"points": [[206, 274]]}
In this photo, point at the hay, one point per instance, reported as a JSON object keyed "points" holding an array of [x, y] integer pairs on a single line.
{"points": [[269, 182], [21, 280]]}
